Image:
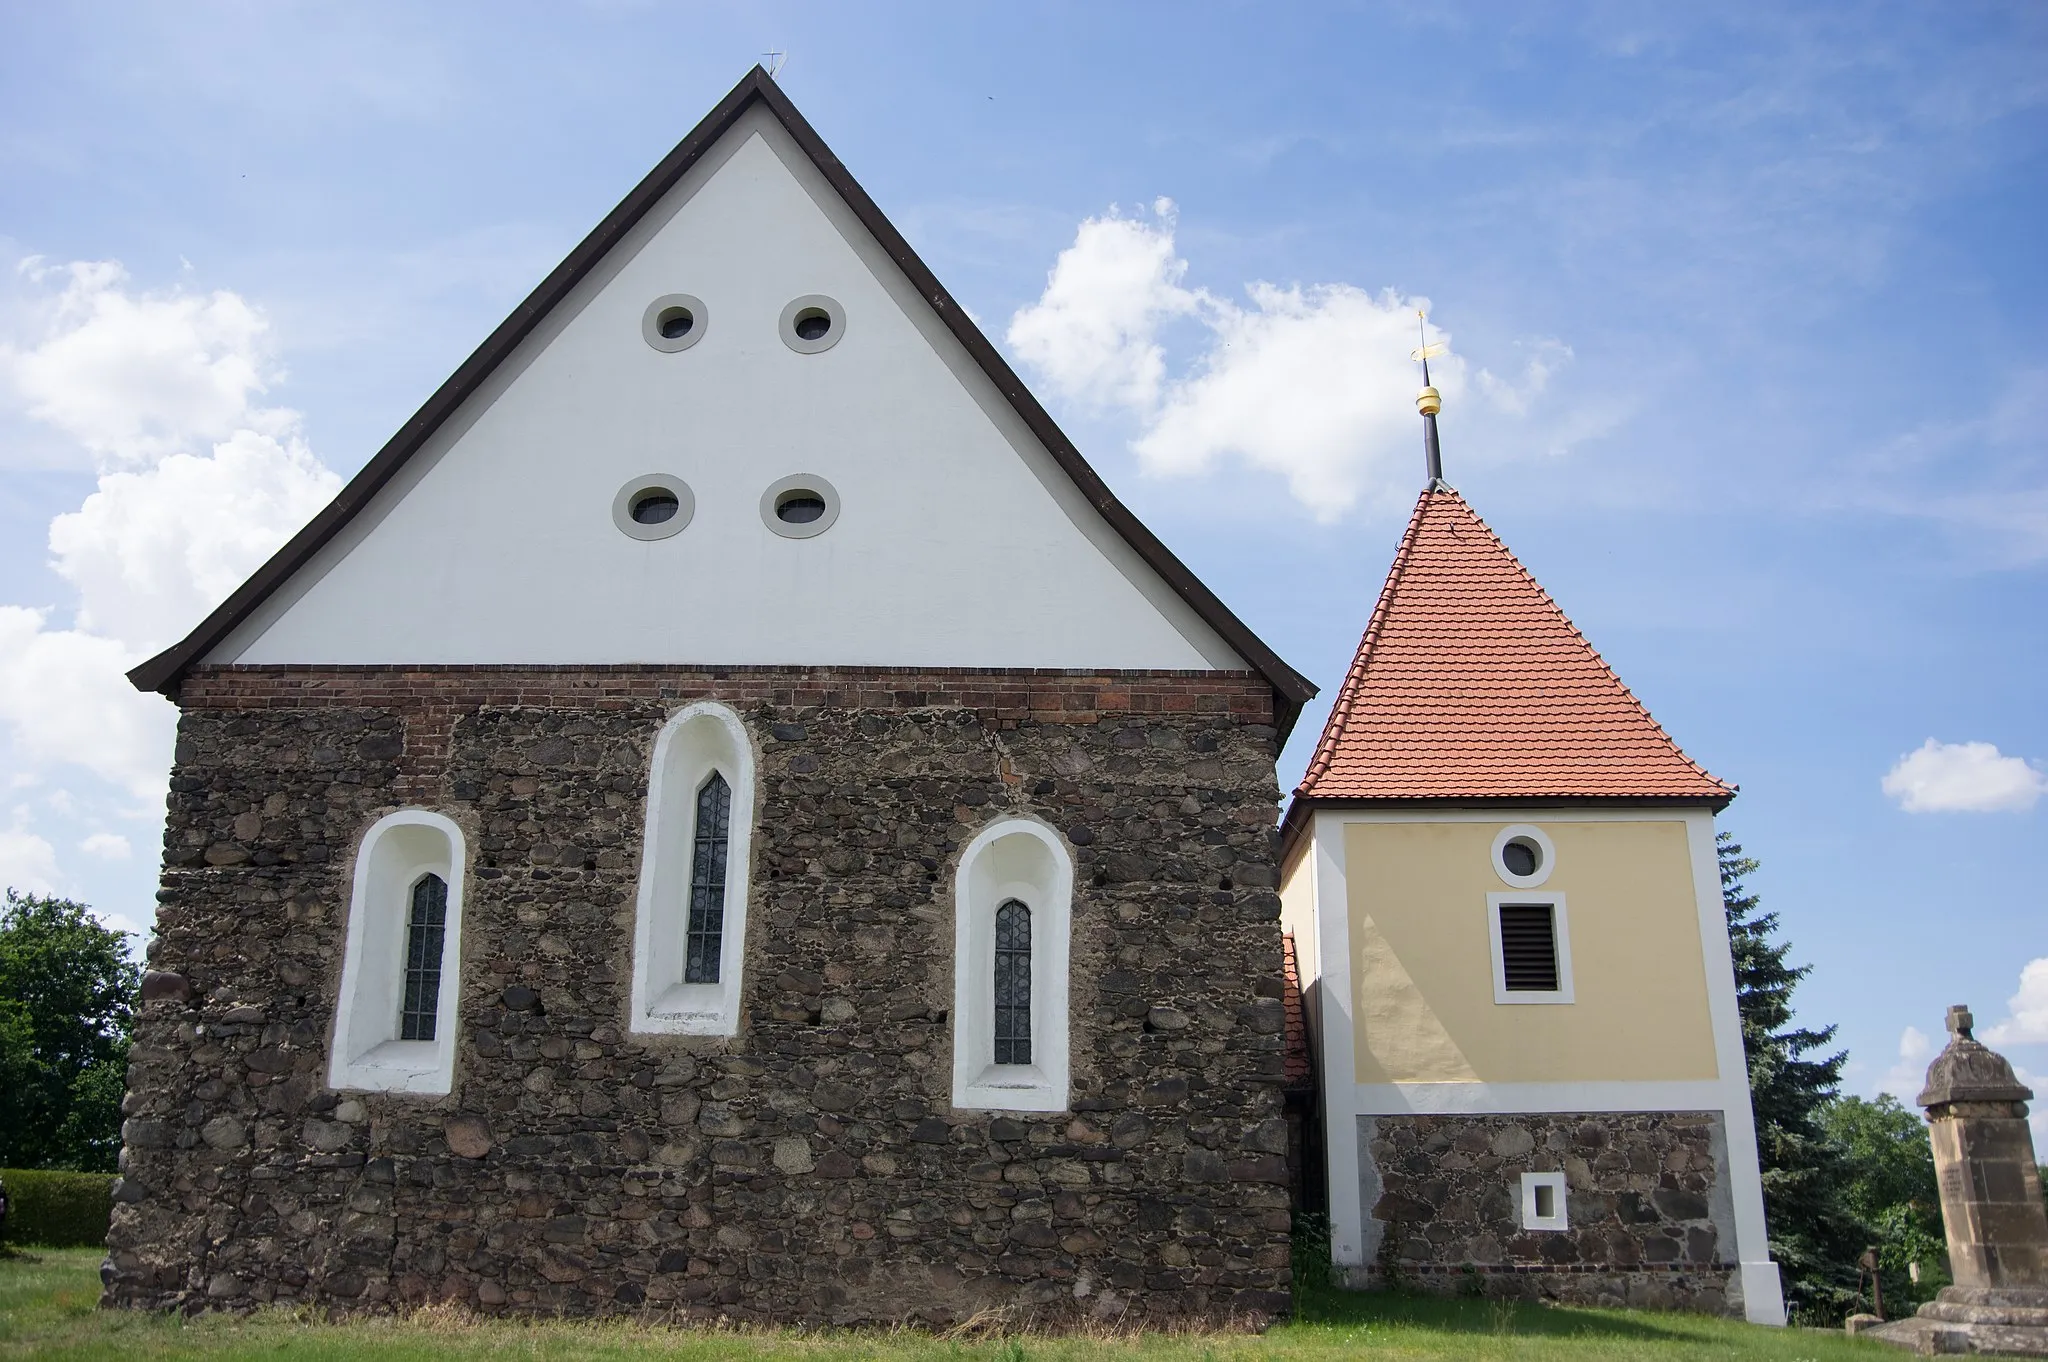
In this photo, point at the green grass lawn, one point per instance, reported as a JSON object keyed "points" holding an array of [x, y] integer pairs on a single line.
{"points": [[49, 1309]]}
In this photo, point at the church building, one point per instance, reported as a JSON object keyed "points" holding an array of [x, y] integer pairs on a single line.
{"points": [[727, 815], [1501, 885]]}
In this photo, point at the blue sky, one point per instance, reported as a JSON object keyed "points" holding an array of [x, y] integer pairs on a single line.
{"points": [[1745, 307]]}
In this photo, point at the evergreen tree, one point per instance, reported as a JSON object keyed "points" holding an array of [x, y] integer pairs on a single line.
{"points": [[67, 994], [1814, 1236]]}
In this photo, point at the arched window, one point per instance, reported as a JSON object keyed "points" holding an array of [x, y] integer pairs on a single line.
{"points": [[401, 970], [1012, 918], [690, 922], [423, 939], [1013, 983], [707, 881]]}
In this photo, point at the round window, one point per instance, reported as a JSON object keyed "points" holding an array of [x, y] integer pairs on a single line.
{"points": [[674, 321], [812, 323], [653, 506], [800, 506], [1522, 855]]}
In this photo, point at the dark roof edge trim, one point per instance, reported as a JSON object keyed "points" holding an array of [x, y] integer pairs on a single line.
{"points": [[1294, 823], [161, 673]]}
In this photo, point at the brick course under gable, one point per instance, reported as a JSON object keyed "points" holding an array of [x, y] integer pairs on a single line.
{"points": [[810, 1168]]}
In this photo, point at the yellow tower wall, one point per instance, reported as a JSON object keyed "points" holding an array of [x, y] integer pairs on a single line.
{"points": [[1423, 1004]]}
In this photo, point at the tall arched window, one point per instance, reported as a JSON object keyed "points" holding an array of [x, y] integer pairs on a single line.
{"points": [[423, 939], [401, 970], [707, 881], [1013, 983], [1012, 919], [690, 922]]}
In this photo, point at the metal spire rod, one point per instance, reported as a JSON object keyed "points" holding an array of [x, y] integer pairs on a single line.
{"points": [[1429, 402]]}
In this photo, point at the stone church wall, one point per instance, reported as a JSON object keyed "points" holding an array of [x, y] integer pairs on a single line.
{"points": [[810, 1168], [1651, 1220]]}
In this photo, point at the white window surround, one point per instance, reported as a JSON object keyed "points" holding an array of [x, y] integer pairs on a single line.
{"points": [[1537, 1189], [1546, 855], [1023, 859], [698, 739], [1560, 925], [366, 1054]]}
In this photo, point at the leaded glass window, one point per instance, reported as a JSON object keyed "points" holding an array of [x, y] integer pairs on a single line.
{"points": [[707, 882], [1013, 983], [425, 928]]}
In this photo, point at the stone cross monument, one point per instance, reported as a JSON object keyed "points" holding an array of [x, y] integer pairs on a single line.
{"points": [[1990, 1204]]}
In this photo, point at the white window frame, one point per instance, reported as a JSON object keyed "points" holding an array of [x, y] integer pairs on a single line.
{"points": [[1560, 924], [366, 1054], [1533, 1221], [1546, 855], [695, 741], [1022, 859]]}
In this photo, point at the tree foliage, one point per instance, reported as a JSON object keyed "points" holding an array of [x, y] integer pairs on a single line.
{"points": [[1892, 1190], [1815, 1236], [67, 994]]}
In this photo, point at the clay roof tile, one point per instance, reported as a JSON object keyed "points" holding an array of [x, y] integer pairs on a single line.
{"points": [[1470, 683]]}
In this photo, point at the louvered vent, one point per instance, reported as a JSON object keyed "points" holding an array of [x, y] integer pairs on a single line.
{"points": [[1528, 947]]}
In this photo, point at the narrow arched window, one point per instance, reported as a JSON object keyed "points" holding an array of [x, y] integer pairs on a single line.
{"points": [[706, 940], [425, 928], [1013, 983]]}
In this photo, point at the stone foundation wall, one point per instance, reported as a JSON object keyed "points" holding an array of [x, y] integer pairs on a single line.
{"points": [[810, 1168], [1651, 1222]]}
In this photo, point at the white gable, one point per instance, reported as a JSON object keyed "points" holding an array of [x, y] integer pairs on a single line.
{"points": [[959, 541]]}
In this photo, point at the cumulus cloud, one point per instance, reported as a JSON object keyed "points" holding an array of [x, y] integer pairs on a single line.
{"points": [[1311, 382], [199, 482], [135, 376], [1906, 1077], [108, 846], [152, 551], [1093, 334], [28, 864], [2026, 1022], [1963, 777]]}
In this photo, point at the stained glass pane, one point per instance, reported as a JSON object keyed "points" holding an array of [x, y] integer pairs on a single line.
{"points": [[1013, 983], [706, 938], [425, 927]]}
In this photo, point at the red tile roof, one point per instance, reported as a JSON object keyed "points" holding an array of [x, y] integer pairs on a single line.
{"points": [[1470, 683], [1299, 1069]]}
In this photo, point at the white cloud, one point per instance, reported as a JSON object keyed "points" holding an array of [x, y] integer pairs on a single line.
{"points": [[152, 551], [1905, 1078], [1312, 382], [198, 485], [1093, 334], [2026, 1022], [28, 864], [108, 846], [135, 376], [1963, 777]]}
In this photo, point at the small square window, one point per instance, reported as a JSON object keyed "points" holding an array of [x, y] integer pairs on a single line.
{"points": [[1543, 1201]]}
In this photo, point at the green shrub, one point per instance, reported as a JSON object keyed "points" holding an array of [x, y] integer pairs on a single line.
{"points": [[59, 1210]]}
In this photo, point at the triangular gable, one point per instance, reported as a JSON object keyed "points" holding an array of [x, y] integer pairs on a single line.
{"points": [[1471, 684], [1215, 637]]}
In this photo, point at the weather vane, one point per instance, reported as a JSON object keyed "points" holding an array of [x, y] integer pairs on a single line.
{"points": [[1429, 401]]}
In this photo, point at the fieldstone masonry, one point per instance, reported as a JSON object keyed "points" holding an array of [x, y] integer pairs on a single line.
{"points": [[1650, 1220], [810, 1168]]}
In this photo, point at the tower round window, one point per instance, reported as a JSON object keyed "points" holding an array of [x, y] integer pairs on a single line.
{"points": [[812, 323], [800, 506], [653, 506], [674, 321], [1522, 855]]}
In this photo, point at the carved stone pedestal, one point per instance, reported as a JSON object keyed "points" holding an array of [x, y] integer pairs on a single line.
{"points": [[1991, 1206]]}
